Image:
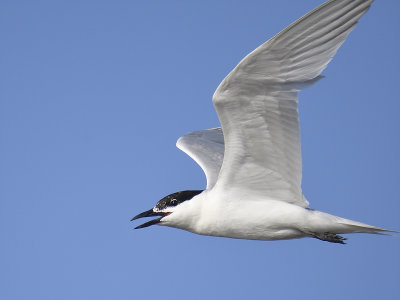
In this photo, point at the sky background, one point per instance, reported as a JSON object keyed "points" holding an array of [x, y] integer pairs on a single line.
{"points": [[93, 96]]}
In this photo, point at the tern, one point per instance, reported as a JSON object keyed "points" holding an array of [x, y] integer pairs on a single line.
{"points": [[253, 161]]}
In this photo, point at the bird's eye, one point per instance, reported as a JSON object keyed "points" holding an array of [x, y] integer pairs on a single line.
{"points": [[174, 202]]}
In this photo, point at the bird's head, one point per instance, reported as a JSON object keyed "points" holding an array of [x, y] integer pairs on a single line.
{"points": [[165, 207]]}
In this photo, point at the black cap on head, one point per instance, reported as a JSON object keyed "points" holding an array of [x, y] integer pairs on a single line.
{"points": [[176, 198], [168, 201]]}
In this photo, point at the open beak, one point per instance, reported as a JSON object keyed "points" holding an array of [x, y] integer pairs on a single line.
{"points": [[150, 213]]}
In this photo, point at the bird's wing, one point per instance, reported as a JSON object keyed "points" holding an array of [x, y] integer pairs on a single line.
{"points": [[257, 102], [206, 147]]}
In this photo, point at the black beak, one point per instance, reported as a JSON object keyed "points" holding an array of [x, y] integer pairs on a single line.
{"points": [[149, 213]]}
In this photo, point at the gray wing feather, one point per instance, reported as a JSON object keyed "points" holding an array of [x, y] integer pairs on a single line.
{"points": [[257, 102], [206, 147]]}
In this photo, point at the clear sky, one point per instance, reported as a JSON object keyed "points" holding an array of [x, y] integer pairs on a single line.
{"points": [[93, 97]]}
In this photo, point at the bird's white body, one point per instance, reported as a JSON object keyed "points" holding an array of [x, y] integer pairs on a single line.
{"points": [[243, 217], [253, 161]]}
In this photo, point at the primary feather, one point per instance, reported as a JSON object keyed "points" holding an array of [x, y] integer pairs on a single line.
{"points": [[257, 102]]}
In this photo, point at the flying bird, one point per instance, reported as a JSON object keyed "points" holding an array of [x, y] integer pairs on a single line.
{"points": [[253, 161]]}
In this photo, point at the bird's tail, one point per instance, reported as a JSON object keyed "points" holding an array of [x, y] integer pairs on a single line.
{"points": [[338, 225], [350, 226]]}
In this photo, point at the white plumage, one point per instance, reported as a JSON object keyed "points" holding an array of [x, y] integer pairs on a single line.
{"points": [[253, 164]]}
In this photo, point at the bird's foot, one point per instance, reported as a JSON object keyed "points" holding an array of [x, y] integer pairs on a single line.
{"points": [[329, 237]]}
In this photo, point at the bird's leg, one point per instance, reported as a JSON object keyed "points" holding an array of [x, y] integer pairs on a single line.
{"points": [[329, 237]]}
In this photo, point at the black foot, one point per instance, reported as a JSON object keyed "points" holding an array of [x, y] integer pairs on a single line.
{"points": [[329, 237]]}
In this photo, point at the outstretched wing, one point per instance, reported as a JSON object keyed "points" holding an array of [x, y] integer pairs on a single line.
{"points": [[206, 147], [257, 102]]}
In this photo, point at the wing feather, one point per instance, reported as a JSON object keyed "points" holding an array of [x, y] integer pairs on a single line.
{"points": [[257, 102], [206, 147]]}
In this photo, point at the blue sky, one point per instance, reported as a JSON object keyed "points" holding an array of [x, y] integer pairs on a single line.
{"points": [[94, 95]]}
